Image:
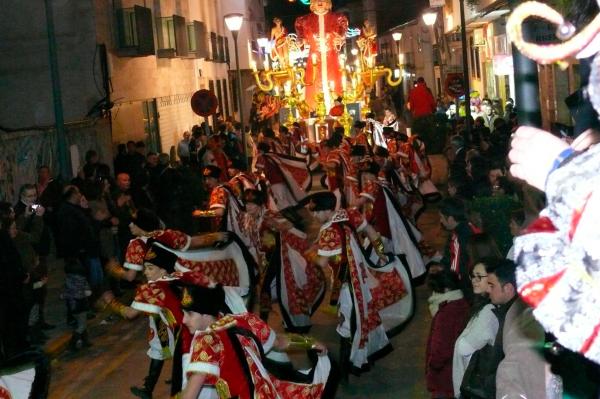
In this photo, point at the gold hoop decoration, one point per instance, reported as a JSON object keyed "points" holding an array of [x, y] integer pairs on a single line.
{"points": [[549, 53]]}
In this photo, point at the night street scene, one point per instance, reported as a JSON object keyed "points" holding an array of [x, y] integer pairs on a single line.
{"points": [[300, 199]]}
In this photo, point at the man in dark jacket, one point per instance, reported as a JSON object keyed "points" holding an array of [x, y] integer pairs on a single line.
{"points": [[30, 220], [521, 369], [13, 312], [78, 245]]}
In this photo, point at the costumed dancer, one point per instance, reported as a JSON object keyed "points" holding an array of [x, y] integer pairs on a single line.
{"points": [[161, 303], [160, 299], [289, 177], [298, 282], [145, 225], [213, 155], [341, 172], [373, 298], [360, 136], [382, 210], [24, 375], [240, 180], [420, 165], [227, 356], [223, 206], [390, 120]]}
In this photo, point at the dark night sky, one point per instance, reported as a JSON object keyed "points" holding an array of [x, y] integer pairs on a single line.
{"points": [[390, 13]]}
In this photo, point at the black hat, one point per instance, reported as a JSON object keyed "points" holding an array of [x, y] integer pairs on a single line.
{"points": [[211, 171], [403, 137], [253, 197], [360, 124], [160, 257], [321, 201], [146, 220], [388, 130], [370, 167], [358, 151], [204, 300], [236, 163], [381, 152]]}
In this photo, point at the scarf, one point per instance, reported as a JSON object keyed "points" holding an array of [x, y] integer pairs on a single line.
{"points": [[437, 298]]}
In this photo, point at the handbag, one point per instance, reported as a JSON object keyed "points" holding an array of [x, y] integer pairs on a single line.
{"points": [[479, 381]]}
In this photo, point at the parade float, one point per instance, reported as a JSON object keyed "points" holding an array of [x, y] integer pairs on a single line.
{"points": [[312, 78]]}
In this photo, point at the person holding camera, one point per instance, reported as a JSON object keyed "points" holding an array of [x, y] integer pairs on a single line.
{"points": [[29, 217]]}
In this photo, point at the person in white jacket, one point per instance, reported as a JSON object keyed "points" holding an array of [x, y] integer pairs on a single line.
{"points": [[480, 330]]}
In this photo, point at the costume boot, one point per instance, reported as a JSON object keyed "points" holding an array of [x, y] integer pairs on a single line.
{"points": [[74, 344], [145, 392], [345, 350], [85, 339]]}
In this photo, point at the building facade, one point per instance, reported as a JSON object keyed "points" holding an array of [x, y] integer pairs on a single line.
{"points": [[127, 71]]}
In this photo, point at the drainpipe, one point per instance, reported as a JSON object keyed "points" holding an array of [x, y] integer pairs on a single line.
{"points": [[64, 164]]}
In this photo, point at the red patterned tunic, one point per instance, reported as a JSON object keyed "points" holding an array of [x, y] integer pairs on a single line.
{"points": [[213, 353], [158, 300], [136, 249], [219, 199], [370, 291]]}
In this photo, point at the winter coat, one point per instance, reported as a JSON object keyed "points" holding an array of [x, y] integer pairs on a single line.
{"points": [[481, 330], [446, 326], [523, 369], [421, 101]]}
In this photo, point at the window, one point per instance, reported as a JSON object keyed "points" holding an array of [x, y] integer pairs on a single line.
{"points": [[221, 49], [213, 47], [172, 37], [135, 36]]}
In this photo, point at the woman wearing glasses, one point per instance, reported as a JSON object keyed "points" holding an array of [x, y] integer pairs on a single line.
{"points": [[480, 330]]}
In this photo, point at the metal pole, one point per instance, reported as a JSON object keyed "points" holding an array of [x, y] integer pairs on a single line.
{"points": [[240, 102], [61, 138], [526, 83], [465, 60]]}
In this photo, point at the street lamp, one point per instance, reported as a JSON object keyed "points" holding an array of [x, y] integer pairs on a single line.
{"points": [[429, 17], [234, 23], [465, 61]]}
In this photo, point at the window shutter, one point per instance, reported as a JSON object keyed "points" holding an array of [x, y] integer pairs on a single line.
{"points": [[221, 49], [213, 47], [226, 50], [201, 40], [181, 40], [145, 33]]}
